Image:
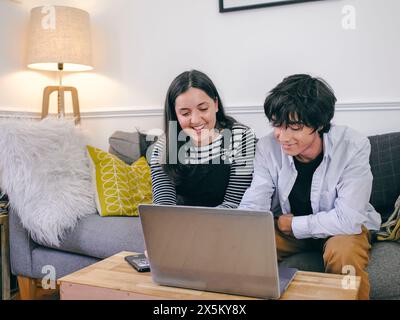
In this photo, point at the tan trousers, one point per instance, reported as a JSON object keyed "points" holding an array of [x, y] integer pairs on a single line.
{"points": [[338, 252]]}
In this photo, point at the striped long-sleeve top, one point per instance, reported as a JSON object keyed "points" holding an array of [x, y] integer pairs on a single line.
{"points": [[238, 152]]}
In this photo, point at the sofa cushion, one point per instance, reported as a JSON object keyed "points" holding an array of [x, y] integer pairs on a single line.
{"points": [[130, 146], [63, 263], [119, 187], [384, 271], [305, 261], [384, 160], [101, 237]]}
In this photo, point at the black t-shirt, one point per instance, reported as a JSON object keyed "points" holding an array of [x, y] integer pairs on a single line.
{"points": [[299, 197]]}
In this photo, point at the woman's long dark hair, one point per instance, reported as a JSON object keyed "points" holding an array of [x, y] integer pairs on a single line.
{"points": [[181, 84]]}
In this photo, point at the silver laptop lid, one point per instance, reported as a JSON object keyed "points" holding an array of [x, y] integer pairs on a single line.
{"points": [[221, 250]]}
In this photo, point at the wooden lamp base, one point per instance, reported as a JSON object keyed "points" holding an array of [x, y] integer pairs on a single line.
{"points": [[61, 105]]}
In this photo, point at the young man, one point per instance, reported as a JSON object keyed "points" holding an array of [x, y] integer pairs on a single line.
{"points": [[315, 178]]}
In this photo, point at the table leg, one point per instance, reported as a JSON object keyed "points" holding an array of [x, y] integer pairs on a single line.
{"points": [[5, 261]]}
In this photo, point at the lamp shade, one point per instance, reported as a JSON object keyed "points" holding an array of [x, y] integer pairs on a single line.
{"points": [[59, 35]]}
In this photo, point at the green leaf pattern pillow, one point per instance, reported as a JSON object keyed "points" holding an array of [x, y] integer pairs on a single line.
{"points": [[120, 188]]}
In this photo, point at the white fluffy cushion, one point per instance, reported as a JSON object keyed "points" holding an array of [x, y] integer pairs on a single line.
{"points": [[44, 169]]}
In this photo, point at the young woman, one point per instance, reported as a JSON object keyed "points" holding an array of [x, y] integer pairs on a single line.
{"points": [[205, 157]]}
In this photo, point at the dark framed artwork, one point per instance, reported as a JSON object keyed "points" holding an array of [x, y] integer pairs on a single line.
{"points": [[236, 5]]}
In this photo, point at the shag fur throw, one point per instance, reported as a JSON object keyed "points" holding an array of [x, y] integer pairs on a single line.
{"points": [[44, 170]]}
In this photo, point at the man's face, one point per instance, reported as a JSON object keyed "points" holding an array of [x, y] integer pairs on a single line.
{"points": [[298, 140]]}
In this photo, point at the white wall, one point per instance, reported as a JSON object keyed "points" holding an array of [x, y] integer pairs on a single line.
{"points": [[141, 45]]}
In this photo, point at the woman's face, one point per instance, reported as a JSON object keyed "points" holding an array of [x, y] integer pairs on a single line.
{"points": [[197, 115]]}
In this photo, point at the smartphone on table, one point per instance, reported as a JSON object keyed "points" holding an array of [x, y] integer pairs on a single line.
{"points": [[139, 262]]}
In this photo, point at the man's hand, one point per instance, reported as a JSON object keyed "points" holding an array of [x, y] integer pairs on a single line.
{"points": [[285, 224]]}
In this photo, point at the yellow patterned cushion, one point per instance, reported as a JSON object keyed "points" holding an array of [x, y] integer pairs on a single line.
{"points": [[120, 188]]}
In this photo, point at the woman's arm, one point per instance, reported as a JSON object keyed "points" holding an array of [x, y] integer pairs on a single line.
{"points": [[241, 172], [163, 190]]}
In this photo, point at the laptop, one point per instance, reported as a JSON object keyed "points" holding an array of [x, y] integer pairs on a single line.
{"points": [[221, 250]]}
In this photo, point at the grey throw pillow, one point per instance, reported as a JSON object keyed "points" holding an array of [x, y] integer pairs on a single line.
{"points": [[130, 146]]}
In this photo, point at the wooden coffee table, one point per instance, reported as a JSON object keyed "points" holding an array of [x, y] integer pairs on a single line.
{"points": [[114, 279]]}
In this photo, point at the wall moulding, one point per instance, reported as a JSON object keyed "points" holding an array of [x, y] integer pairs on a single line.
{"points": [[138, 111]]}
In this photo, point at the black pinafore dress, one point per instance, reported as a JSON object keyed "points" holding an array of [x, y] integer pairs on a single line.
{"points": [[203, 185]]}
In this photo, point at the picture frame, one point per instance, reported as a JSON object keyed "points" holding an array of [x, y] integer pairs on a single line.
{"points": [[236, 5]]}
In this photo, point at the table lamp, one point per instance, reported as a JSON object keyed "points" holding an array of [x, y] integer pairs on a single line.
{"points": [[59, 40]]}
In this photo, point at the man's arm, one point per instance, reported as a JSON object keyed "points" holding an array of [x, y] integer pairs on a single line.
{"points": [[353, 194], [258, 196]]}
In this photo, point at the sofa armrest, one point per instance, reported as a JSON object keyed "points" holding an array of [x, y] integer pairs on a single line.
{"points": [[21, 246]]}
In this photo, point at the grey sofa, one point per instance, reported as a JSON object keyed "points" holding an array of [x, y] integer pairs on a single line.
{"points": [[97, 237]]}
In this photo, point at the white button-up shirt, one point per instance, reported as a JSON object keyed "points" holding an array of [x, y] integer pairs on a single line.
{"points": [[340, 189]]}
